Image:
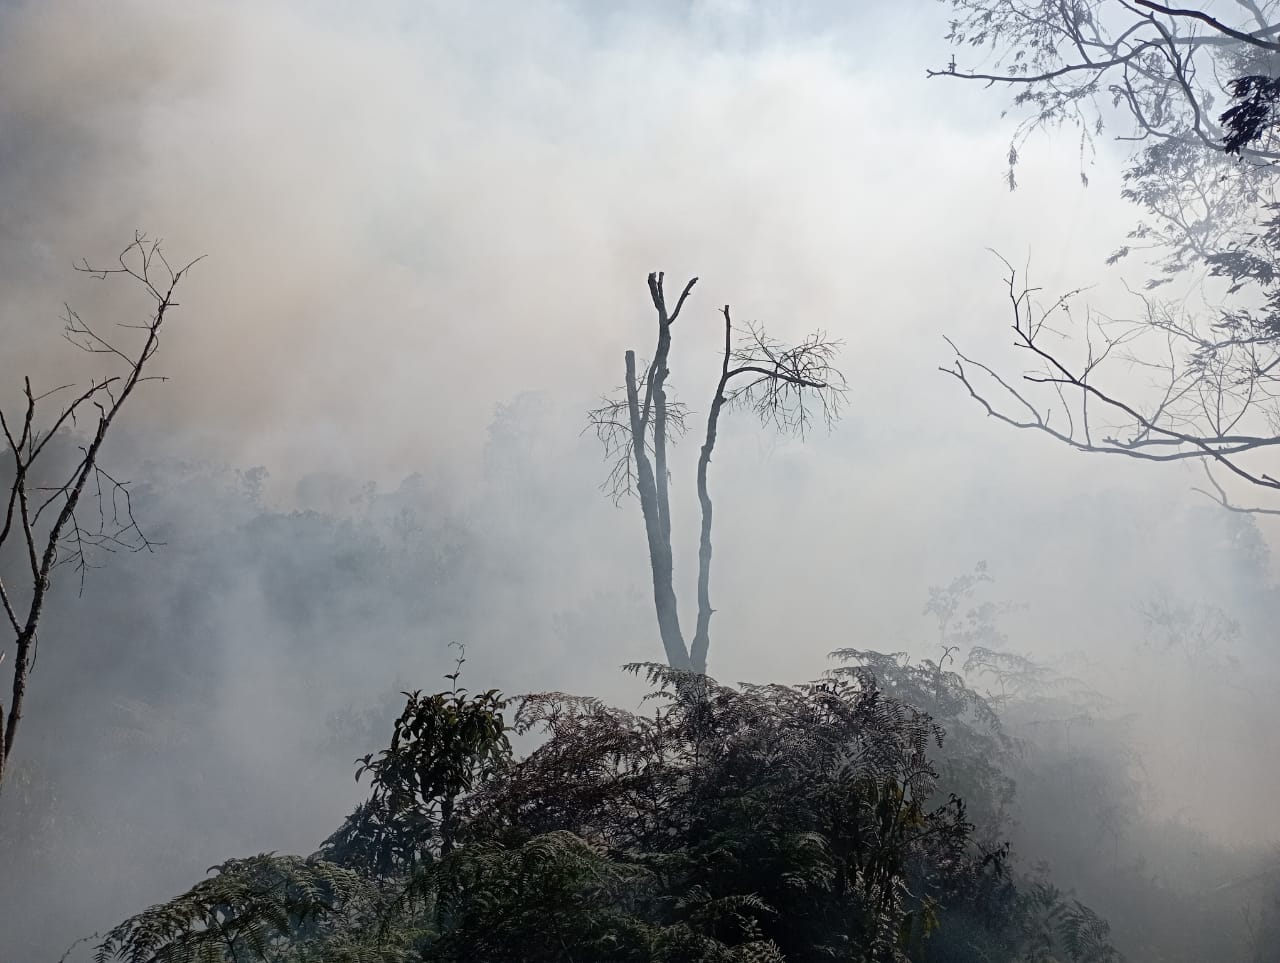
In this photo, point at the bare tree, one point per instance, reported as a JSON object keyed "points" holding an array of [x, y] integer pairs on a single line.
{"points": [[1195, 91], [60, 512], [1197, 397], [787, 387]]}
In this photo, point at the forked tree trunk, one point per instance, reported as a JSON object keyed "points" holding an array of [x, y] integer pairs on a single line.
{"points": [[771, 378], [652, 478]]}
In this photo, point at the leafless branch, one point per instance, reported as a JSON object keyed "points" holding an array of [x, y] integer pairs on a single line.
{"points": [[57, 525], [1206, 392], [1219, 495], [611, 424], [786, 386], [1256, 39]]}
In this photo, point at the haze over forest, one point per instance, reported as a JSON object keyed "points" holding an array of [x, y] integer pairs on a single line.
{"points": [[426, 230]]}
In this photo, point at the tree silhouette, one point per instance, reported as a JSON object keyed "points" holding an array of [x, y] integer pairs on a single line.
{"points": [[786, 387], [59, 515]]}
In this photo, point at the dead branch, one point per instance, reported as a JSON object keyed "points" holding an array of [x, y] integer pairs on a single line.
{"points": [[57, 525], [1203, 396], [611, 424]]}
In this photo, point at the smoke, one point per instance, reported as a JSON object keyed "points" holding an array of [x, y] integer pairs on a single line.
{"points": [[416, 214], [410, 215]]}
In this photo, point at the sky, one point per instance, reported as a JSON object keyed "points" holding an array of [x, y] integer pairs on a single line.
{"points": [[413, 214]]}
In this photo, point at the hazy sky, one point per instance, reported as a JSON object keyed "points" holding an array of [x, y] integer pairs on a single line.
{"points": [[414, 214]]}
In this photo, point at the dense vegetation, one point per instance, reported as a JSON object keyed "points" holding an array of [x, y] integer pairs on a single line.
{"points": [[752, 823], [865, 816]]}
